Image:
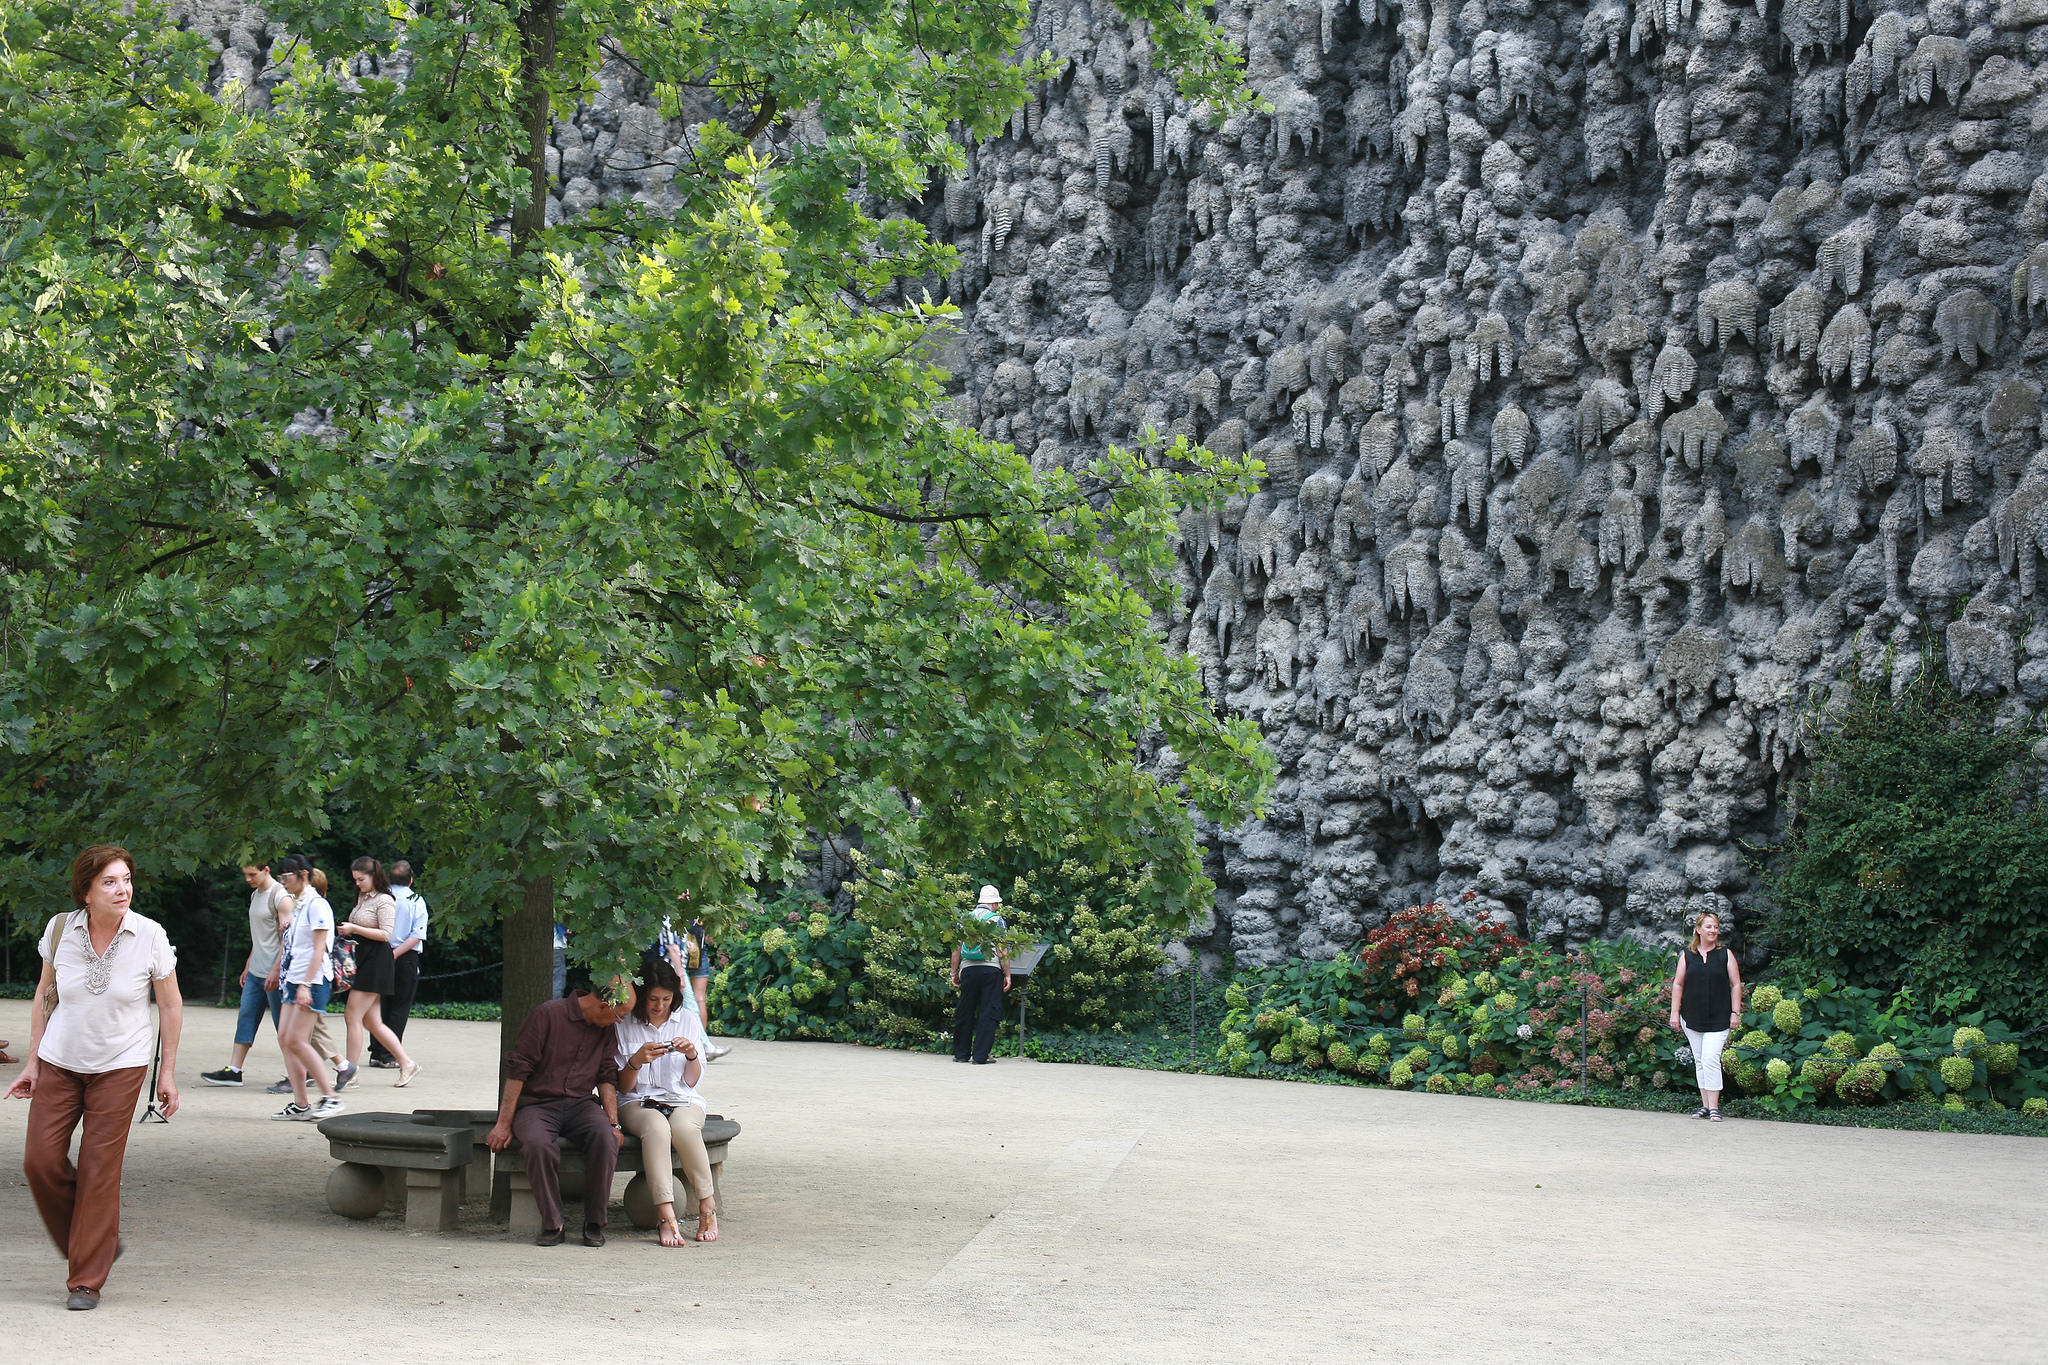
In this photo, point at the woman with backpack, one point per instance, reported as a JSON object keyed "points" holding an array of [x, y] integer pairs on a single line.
{"points": [[308, 981]]}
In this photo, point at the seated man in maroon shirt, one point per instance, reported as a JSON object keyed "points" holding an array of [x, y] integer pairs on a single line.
{"points": [[566, 1049]]}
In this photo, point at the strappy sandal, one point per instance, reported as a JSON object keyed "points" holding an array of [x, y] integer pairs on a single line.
{"points": [[1713, 1116], [707, 1225], [673, 1225], [1702, 1112]]}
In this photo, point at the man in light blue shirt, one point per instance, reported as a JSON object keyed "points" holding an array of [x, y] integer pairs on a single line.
{"points": [[408, 936]]}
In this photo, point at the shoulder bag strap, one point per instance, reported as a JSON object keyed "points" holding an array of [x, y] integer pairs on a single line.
{"points": [[53, 937]]}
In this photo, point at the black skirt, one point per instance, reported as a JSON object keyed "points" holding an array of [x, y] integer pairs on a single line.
{"points": [[375, 970]]}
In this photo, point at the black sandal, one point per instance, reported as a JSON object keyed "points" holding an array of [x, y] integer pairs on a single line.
{"points": [[1713, 1116], [1702, 1112]]}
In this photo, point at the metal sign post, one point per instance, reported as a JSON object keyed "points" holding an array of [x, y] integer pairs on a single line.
{"points": [[1022, 965]]}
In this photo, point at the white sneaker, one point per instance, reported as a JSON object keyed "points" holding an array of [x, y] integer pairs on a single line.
{"points": [[328, 1107], [714, 1051], [292, 1113]]}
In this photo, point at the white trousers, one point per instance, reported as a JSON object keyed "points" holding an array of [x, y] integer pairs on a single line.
{"points": [[1706, 1057]]}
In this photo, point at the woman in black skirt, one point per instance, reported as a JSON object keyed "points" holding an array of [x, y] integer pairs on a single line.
{"points": [[370, 925], [1706, 1005]]}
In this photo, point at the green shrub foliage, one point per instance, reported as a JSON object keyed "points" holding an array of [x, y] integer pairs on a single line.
{"points": [[797, 970], [1416, 1005], [1919, 856]]}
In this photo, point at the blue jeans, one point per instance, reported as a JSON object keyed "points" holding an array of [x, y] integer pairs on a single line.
{"points": [[253, 999]]}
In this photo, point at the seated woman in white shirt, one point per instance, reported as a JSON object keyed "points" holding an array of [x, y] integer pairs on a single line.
{"points": [[660, 1064]]}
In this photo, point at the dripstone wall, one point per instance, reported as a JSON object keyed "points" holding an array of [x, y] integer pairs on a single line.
{"points": [[1625, 376]]}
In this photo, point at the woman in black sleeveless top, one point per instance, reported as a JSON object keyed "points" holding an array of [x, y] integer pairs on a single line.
{"points": [[1706, 1004]]}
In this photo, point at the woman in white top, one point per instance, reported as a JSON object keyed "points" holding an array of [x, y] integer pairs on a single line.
{"points": [[308, 982], [660, 1064], [89, 1049]]}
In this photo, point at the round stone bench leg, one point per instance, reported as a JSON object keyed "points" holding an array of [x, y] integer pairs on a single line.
{"points": [[640, 1202], [356, 1191]]}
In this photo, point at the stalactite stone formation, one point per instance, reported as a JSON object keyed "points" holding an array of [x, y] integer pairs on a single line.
{"points": [[1626, 374]]}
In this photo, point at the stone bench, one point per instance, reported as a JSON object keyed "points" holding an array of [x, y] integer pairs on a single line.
{"points": [[420, 1166], [524, 1212]]}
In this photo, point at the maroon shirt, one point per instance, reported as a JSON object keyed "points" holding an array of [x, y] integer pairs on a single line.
{"points": [[560, 1055]]}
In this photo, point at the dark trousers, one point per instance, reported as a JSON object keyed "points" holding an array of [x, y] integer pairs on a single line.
{"points": [[979, 1010], [397, 1006], [538, 1125], [81, 1204]]}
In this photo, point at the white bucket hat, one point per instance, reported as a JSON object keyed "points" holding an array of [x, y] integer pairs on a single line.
{"points": [[990, 896]]}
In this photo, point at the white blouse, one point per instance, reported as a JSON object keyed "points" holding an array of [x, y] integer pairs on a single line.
{"points": [[661, 1080], [102, 1021]]}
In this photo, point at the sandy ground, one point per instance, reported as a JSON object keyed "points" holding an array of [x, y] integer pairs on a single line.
{"points": [[894, 1207]]}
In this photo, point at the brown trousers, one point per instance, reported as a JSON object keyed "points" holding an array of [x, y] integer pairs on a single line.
{"points": [[81, 1205], [580, 1122]]}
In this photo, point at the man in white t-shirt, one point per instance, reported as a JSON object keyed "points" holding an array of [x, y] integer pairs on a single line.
{"points": [[269, 914]]}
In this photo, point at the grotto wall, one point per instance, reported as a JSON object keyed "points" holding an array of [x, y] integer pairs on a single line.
{"points": [[1624, 373]]}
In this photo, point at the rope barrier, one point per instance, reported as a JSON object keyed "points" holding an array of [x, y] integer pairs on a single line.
{"points": [[467, 971]]}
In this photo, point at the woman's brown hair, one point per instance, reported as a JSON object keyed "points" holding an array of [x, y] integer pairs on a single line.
{"points": [[1694, 942], [656, 975], [90, 862], [380, 880]]}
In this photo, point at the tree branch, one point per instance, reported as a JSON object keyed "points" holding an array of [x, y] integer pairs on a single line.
{"points": [[763, 116], [169, 555], [890, 514]]}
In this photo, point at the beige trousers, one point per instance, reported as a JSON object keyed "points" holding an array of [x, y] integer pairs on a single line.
{"points": [[684, 1130], [323, 1041]]}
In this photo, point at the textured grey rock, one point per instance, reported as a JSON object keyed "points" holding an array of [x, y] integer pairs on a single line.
{"points": [[1625, 374]]}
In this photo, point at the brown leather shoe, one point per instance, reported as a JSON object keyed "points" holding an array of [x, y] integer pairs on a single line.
{"points": [[593, 1235], [83, 1300], [551, 1237]]}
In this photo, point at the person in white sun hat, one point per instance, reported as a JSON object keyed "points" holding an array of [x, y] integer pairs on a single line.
{"points": [[981, 973]]}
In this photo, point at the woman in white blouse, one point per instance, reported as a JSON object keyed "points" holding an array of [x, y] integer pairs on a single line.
{"points": [[660, 1064], [88, 1053]]}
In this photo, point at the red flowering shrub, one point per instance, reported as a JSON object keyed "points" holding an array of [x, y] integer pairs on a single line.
{"points": [[1415, 946]]}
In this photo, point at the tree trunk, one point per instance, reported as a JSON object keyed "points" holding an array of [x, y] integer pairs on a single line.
{"points": [[537, 23], [529, 962]]}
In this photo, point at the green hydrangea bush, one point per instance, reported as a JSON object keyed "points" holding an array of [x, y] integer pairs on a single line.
{"points": [[1457, 1005]]}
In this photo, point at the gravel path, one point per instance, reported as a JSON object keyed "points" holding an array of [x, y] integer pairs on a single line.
{"points": [[894, 1207]]}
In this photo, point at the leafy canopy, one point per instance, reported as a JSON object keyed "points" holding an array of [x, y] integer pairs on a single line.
{"points": [[628, 549]]}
